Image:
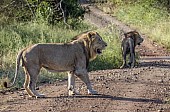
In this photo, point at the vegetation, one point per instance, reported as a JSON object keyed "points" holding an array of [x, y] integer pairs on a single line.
{"points": [[23, 23], [111, 57], [16, 36], [26, 22], [148, 16], [52, 11]]}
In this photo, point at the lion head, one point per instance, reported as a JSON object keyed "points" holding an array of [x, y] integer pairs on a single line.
{"points": [[135, 36], [93, 43]]}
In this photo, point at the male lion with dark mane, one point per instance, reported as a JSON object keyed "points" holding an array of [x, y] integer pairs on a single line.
{"points": [[72, 57], [129, 42]]}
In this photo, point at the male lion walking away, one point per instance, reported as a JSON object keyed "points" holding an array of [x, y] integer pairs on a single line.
{"points": [[129, 43], [72, 57]]}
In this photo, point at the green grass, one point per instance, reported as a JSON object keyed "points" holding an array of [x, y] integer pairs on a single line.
{"points": [[111, 56], [20, 35], [148, 18]]}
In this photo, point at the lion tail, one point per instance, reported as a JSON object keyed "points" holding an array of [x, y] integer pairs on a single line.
{"points": [[16, 69]]}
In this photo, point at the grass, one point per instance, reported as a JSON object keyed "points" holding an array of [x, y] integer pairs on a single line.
{"points": [[111, 56], [20, 35], [150, 19]]}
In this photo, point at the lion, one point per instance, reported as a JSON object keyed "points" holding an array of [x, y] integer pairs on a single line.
{"points": [[72, 57], [131, 40]]}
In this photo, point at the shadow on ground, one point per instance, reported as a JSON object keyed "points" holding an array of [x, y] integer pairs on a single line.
{"points": [[103, 96]]}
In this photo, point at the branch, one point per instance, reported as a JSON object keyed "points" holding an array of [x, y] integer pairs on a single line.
{"points": [[64, 18], [31, 9], [9, 4]]}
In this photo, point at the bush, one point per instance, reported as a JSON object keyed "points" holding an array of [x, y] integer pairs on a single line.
{"points": [[20, 35], [66, 11], [111, 56], [147, 17]]}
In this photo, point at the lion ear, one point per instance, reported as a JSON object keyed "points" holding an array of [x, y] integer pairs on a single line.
{"points": [[91, 34], [136, 33], [127, 35]]}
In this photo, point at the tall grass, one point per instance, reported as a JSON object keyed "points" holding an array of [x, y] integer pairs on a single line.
{"points": [[20, 35], [111, 56], [148, 18]]}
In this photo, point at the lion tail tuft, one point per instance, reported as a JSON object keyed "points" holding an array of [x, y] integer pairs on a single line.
{"points": [[5, 84]]}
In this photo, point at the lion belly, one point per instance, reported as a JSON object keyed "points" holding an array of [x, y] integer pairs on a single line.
{"points": [[60, 59], [58, 66]]}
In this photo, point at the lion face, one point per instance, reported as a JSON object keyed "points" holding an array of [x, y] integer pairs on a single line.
{"points": [[135, 36], [97, 42], [92, 42], [138, 38]]}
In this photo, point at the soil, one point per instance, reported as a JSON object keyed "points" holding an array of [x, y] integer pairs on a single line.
{"points": [[145, 88]]}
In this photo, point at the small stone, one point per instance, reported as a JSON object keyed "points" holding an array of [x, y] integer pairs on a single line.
{"points": [[160, 81], [160, 110]]}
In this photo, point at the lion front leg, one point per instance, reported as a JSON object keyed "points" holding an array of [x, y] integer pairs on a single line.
{"points": [[85, 78]]}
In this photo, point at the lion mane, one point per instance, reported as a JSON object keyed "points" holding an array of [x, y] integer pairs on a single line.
{"points": [[129, 42]]}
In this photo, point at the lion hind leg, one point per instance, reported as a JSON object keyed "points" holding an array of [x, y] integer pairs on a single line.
{"points": [[33, 74], [124, 54], [132, 54], [26, 83], [123, 65]]}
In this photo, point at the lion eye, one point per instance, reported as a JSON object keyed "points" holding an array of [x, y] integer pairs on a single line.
{"points": [[100, 39]]}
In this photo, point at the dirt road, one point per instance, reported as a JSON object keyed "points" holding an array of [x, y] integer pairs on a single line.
{"points": [[142, 89]]}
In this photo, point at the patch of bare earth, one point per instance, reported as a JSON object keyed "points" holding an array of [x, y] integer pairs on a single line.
{"points": [[142, 89], [145, 88]]}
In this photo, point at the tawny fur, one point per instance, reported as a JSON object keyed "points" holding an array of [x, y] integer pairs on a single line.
{"points": [[72, 57]]}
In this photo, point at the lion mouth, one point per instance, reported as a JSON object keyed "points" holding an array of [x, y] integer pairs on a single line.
{"points": [[99, 51]]}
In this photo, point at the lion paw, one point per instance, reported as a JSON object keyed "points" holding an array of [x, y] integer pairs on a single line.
{"points": [[40, 96], [123, 66], [71, 93], [37, 96], [92, 92]]}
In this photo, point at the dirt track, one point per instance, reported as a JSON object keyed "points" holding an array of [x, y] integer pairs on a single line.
{"points": [[142, 89]]}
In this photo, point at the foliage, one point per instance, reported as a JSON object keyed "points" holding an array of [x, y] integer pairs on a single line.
{"points": [[26, 22], [20, 35], [111, 56], [165, 3], [147, 17], [54, 11]]}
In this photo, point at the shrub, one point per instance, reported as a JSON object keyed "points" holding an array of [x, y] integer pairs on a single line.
{"points": [[20, 35], [147, 17]]}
